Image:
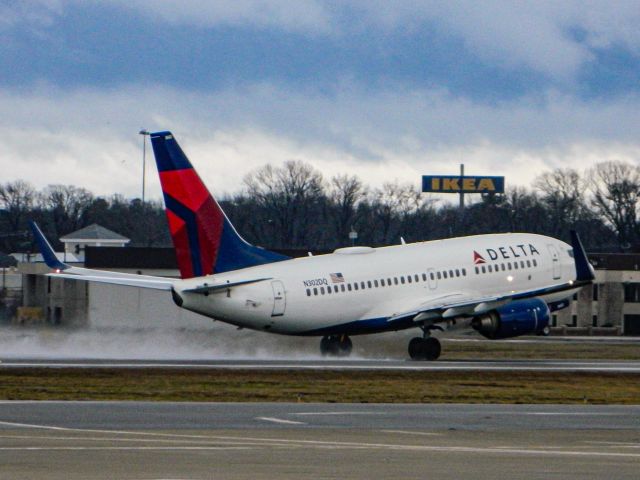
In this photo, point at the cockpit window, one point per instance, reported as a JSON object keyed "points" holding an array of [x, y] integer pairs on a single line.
{"points": [[570, 252]]}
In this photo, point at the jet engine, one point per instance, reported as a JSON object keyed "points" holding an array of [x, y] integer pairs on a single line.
{"points": [[516, 318]]}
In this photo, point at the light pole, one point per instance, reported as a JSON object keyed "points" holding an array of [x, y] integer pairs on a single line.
{"points": [[144, 134]]}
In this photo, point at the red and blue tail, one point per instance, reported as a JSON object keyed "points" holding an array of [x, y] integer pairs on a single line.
{"points": [[203, 237]]}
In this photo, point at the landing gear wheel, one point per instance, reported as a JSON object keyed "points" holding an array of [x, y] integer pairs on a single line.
{"points": [[424, 348], [336, 346]]}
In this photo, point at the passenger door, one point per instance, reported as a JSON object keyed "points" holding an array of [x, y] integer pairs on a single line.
{"points": [[279, 298]]}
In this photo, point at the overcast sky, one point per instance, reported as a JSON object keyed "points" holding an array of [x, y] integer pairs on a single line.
{"points": [[383, 89]]}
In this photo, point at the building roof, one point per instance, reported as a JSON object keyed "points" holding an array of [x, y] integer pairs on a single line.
{"points": [[94, 232], [615, 261]]}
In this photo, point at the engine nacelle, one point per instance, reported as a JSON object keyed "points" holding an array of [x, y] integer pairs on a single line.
{"points": [[516, 318]]}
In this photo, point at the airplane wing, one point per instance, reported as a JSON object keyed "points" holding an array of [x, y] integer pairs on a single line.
{"points": [[461, 304], [62, 270]]}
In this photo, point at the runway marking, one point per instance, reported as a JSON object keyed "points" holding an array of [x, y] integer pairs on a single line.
{"points": [[409, 432], [337, 413], [568, 414], [615, 444], [127, 440], [280, 420], [121, 448], [278, 442]]}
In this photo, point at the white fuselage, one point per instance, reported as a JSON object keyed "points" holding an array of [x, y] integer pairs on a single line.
{"points": [[295, 299]]}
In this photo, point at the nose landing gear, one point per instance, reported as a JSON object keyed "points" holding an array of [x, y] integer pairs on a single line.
{"points": [[335, 346]]}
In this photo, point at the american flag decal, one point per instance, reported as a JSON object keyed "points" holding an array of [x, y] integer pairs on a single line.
{"points": [[336, 278]]}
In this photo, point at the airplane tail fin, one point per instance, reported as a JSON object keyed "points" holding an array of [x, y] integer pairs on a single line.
{"points": [[204, 239]]}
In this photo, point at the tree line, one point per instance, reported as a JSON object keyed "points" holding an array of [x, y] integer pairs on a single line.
{"points": [[295, 206]]}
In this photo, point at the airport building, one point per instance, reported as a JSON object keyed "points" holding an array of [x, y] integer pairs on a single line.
{"points": [[611, 306]]}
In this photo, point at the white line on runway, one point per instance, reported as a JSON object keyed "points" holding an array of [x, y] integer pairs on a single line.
{"points": [[280, 420], [337, 413], [409, 432], [279, 442]]}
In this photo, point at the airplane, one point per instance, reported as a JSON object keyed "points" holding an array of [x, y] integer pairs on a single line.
{"points": [[499, 285]]}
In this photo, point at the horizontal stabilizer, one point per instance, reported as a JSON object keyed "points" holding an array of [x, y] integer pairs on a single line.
{"points": [[156, 283]]}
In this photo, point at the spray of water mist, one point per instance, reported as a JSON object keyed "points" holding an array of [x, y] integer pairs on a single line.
{"points": [[219, 342]]}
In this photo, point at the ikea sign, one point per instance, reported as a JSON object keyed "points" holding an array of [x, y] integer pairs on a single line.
{"points": [[462, 184]]}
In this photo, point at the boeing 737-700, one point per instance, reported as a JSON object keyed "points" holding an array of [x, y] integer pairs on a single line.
{"points": [[500, 285]]}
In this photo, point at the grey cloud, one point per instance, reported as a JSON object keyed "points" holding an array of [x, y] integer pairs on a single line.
{"points": [[89, 137]]}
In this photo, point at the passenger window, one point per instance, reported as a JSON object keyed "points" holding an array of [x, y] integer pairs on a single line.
{"points": [[355, 286], [408, 278], [444, 274], [535, 263], [382, 282], [439, 275], [362, 286], [483, 269], [342, 287], [489, 268], [389, 281], [369, 283], [528, 264], [402, 280], [515, 265], [395, 280], [375, 283], [450, 273], [416, 277], [348, 286], [335, 288], [308, 292], [433, 277], [315, 291], [521, 263], [457, 272], [464, 272], [477, 270], [424, 277], [322, 290]]}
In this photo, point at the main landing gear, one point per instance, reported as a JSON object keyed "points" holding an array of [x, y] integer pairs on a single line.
{"points": [[425, 347], [336, 346]]}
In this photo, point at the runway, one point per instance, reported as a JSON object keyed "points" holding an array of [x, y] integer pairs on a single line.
{"points": [[337, 365], [133, 440]]}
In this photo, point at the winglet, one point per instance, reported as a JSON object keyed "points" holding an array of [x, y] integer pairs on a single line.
{"points": [[45, 249], [584, 271]]}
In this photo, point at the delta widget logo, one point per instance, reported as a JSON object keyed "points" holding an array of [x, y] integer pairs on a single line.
{"points": [[477, 258]]}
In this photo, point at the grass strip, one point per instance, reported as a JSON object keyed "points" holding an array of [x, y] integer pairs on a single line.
{"points": [[325, 386]]}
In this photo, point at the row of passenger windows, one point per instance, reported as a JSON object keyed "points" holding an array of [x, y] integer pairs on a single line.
{"points": [[503, 267], [402, 280]]}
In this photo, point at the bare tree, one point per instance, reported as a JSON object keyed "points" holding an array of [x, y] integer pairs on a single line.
{"points": [[68, 205], [563, 195], [392, 204], [16, 199], [289, 195], [615, 187], [344, 194]]}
